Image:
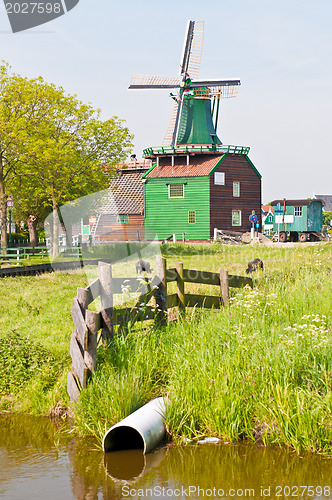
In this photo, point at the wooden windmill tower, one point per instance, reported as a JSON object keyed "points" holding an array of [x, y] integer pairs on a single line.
{"points": [[196, 109], [196, 184]]}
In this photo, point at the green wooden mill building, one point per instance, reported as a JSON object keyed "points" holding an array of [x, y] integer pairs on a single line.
{"points": [[196, 183], [196, 193]]}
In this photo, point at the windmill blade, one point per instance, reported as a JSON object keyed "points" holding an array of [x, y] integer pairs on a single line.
{"points": [[153, 82], [215, 83], [196, 50], [171, 126], [223, 92], [186, 49], [192, 51]]}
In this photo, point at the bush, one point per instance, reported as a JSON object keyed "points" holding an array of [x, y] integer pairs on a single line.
{"points": [[18, 238], [21, 360]]}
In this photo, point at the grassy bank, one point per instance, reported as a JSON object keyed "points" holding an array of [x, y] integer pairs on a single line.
{"points": [[259, 369], [35, 328]]}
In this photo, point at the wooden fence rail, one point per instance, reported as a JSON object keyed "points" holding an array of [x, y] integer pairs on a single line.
{"points": [[88, 324], [18, 254]]}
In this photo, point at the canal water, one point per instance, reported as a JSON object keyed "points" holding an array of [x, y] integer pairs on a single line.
{"points": [[41, 460]]}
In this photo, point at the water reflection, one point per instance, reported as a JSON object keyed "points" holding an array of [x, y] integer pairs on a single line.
{"points": [[130, 466], [38, 461], [31, 463]]}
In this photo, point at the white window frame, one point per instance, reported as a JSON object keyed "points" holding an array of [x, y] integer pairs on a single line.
{"points": [[122, 219], [240, 218], [169, 191], [298, 209], [236, 189], [219, 178]]}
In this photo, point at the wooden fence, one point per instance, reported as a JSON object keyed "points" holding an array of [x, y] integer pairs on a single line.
{"points": [[18, 254], [91, 326]]}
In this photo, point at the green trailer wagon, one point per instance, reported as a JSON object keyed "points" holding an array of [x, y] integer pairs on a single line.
{"points": [[298, 220]]}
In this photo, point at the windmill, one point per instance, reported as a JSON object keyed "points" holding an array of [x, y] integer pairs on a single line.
{"points": [[196, 109]]}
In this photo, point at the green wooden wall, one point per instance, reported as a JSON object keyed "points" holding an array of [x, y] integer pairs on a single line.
{"points": [[315, 216], [165, 216], [299, 224], [311, 219]]}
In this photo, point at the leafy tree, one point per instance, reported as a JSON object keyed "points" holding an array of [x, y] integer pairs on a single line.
{"points": [[327, 217], [74, 152], [53, 148], [31, 206], [22, 106]]}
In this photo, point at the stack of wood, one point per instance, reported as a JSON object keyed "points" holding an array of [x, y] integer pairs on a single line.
{"points": [[231, 237]]}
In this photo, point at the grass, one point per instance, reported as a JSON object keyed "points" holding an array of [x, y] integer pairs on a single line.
{"points": [[260, 369], [36, 318]]}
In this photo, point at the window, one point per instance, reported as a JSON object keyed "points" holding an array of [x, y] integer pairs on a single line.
{"points": [[122, 219], [298, 211], [219, 178], [236, 189], [176, 191], [236, 217], [191, 217]]}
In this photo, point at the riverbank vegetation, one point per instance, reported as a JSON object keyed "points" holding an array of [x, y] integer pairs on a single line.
{"points": [[260, 369]]}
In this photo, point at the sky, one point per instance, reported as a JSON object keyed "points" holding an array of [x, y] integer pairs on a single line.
{"points": [[280, 50]]}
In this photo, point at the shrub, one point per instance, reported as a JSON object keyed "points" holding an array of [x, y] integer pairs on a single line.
{"points": [[21, 360]]}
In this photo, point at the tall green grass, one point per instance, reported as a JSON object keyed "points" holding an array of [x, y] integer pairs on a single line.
{"points": [[35, 329], [260, 369]]}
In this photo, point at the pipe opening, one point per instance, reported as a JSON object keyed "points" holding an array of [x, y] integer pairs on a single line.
{"points": [[123, 438]]}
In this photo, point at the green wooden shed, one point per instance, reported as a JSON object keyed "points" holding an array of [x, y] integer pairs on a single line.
{"points": [[298, 219]]}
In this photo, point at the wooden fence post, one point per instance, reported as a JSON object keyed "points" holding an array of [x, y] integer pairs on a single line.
{"points": [[83, 298], [224, 288], [77, 377], [106, 300], [161, 292], [72, 387], [92, 320], [180, 288]]}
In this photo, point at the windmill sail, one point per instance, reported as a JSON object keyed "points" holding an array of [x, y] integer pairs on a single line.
{"points": [[192, 118], [153, 82], [170, 129], [186, 49], [195, 57], [192, 53], [214, 83], [211, 91]]}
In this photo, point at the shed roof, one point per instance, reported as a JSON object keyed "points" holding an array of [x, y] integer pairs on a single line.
{"points": [[199, 166], [293, 202], [126, 193]]}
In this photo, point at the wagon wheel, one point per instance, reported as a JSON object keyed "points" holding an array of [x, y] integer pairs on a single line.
{"points": [[302, 237], [282, 237]]}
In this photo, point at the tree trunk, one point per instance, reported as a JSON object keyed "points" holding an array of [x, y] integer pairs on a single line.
{"points": [[32, 226], [55, 233], [3, 208], [55, 229], [68, 231]]}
